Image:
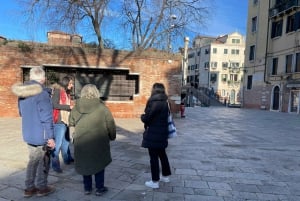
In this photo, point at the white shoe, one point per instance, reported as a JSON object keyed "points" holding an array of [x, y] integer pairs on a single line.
{"points": [[152, 184], [164, 179]]}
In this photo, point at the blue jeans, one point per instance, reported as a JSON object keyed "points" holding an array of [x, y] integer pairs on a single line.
{"points": [[61, 144], [99, 180]]}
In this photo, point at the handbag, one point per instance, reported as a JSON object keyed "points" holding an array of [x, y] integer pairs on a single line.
{"points": [[171, 125]]}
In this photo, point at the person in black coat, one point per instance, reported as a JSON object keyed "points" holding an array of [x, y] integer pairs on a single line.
{"points": [[155, 137]]}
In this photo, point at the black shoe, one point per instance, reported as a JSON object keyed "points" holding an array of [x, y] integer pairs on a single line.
{"points": [[69, 161], [101, 191]]}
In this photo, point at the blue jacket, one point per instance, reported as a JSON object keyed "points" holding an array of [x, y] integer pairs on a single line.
{"points": [[35, 108]]}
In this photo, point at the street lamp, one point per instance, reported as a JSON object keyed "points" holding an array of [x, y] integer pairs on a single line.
{"points": [[171, 26], [185, 60]]}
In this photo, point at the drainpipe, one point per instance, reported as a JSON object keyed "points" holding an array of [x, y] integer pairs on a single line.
{"points": [[267, 44]]}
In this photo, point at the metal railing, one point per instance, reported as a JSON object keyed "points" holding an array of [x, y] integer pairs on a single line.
{"points": [[283, 6]]}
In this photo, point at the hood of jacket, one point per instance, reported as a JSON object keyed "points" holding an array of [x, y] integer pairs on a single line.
{"points": [[86, 106], [27, 89]]}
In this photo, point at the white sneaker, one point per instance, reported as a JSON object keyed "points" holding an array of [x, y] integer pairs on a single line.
{"points": [[164, 179], [152, 184]]}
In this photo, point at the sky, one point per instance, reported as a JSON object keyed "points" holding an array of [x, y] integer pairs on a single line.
{"points": [[227, 16]]}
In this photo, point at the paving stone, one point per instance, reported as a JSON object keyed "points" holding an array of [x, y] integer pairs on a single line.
{"points": [[220, 154], [245, 188], [219, 185]]}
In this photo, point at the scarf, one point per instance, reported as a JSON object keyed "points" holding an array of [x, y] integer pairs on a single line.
{"points": [[64, 100]]}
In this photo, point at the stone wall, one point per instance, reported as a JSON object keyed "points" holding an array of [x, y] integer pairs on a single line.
{"points": [[151, 66]]}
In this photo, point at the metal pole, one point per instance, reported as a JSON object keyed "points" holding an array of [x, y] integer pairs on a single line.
{"points": [[185, 59]]}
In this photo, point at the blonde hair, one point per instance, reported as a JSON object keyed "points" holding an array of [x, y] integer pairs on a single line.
{"points": [[90, 91]]}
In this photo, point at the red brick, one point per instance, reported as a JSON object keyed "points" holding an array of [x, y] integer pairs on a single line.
{"points": [[152, 66]]}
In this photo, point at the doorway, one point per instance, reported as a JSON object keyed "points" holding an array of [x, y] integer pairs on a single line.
{"points": [[294, 101], [275, 102]]}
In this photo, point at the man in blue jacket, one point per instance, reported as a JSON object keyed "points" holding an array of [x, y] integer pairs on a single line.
{"points": [[35, 108]]}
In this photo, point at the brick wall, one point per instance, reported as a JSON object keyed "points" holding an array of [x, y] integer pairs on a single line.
{"points": [[152, 66], [258, 97]]}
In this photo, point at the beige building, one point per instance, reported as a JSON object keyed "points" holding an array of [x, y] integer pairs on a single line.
{"points": [[272, 56], [217, 64]]}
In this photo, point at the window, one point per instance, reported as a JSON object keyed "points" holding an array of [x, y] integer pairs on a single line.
{"points": [[290, 24], [123, 87], [213, 77], [215, 50], [255, 2], [214, 64], [224, 65], [206, 65], [252, 52], [234, 77], [206, 51], [293, 22], [276, 29], [297, 68], [254, 24], [225, 51], [288, 63], [223, 93], [188, 79], [274, 66], [235, 40], [234, 64], [224, 77], [297, 21], [191, 55], [249, 82], [235, 51]]}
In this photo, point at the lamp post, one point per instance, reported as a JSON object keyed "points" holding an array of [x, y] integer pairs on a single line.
{"points": [[171, 26], [185, 60]]}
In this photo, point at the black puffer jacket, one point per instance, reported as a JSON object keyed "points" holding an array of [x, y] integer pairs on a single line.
{"points": [[155, 120]]}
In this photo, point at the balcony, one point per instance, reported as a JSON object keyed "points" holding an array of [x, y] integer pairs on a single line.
{"points": [[283, 6], [234, 70], [233, 82]]}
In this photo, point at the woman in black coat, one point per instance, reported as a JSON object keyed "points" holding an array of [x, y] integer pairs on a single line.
{"points": [[155, 137]]}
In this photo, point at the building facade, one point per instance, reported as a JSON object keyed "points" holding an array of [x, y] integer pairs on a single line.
{"points": [[216, 64], [124, 78], [272, 61]]}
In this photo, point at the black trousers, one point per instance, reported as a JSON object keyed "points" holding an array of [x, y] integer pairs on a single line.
{"points": [[155, 156]]}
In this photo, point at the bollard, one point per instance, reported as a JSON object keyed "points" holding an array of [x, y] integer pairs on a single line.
{"points": [[182, 110]]}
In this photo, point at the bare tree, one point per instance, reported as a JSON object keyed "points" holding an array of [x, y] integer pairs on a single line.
{"points": [[152, 23], [68, 14]]}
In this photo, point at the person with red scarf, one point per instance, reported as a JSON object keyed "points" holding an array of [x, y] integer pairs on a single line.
{"points": [[62, 106]]}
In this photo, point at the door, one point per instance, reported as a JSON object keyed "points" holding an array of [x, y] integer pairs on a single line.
{"points": [[232, 96], [275, 105], [294, 101]]}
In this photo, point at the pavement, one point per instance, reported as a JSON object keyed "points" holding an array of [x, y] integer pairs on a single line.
{"points": [[220, 154]]}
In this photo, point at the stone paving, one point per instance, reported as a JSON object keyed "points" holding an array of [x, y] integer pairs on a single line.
{"points": [[220, 154]]}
